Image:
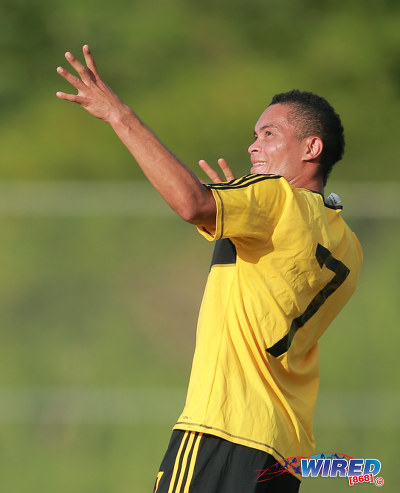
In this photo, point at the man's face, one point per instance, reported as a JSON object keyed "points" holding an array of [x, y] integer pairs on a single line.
{"points": [[276, 150]]}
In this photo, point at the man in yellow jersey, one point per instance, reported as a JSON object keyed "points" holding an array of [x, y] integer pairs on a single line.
{"points": [[284, 265]]}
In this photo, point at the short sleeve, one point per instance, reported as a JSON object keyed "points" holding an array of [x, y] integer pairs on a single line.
{"points": [[248, 206]]}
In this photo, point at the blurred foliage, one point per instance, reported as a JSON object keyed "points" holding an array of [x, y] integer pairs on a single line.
{"points": [[199, 73], [105, 301]]}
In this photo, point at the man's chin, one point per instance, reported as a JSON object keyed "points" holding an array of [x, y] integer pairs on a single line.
{"points": [[259, 169]]}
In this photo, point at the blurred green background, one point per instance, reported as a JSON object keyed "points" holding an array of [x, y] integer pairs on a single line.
{"points": [[101, 284]]}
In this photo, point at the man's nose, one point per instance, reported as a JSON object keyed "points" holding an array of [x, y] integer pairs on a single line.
{"points": [[254, 147]]}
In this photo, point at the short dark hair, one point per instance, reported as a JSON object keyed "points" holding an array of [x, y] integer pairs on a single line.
{"points": [[313, 115]]}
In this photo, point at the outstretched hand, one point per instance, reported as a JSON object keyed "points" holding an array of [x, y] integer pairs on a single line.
{"points": [[213, 175], [93, 94]]}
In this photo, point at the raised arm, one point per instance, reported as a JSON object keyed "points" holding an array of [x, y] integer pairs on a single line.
{"points": [[174, 181]]}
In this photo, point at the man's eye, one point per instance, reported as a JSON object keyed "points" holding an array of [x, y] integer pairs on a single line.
{"points": [[268, 133]]}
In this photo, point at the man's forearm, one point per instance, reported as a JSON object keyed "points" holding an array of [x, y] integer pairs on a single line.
{"points": [[174, 181]]}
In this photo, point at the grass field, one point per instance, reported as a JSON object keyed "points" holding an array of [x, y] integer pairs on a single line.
{"points": [[98, 318]]}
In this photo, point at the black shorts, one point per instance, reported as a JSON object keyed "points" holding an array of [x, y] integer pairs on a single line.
{"points": [[201, 463]]}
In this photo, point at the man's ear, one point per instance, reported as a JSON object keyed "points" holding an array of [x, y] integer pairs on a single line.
{"points": [[313, 147]]}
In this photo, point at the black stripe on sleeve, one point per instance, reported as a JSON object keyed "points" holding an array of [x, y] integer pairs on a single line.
{"points": [[242, 182]]}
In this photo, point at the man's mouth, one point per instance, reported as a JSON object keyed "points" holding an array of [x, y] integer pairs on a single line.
{"points": [[258, 167]]}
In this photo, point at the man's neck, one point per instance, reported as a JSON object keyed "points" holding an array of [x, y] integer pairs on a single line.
{"points": [[315, 184]]}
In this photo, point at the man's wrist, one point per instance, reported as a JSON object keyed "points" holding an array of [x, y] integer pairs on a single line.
{"points": [[123, 117]]}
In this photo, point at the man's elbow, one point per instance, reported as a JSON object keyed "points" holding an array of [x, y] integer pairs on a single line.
{"points": [[199, 214], [194, 214], [197, 209]]}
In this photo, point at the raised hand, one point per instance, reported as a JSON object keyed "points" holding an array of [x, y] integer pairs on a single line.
{"points": [[93, 94], [213, 175]]}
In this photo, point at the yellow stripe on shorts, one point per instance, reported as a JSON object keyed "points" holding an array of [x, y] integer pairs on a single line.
{"points": [[190, 442], [176, 465], [192, 463]]}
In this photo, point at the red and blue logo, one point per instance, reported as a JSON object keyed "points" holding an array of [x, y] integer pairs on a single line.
{"points": [[357, 471]]}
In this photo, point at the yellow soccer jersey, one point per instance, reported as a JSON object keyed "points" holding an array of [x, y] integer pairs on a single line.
{"points": [[283, 267]]}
